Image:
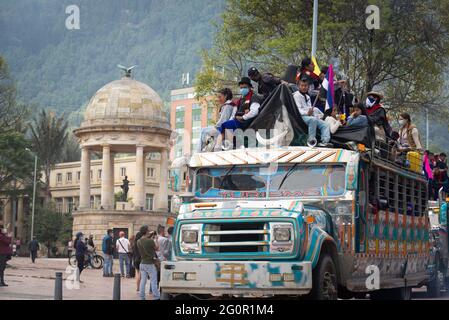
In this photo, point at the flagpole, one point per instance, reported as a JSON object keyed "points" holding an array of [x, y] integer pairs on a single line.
{"points": [[315, 26]]}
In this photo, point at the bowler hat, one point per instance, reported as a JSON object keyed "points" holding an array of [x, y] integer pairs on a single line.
{"points": [[246, 80]]}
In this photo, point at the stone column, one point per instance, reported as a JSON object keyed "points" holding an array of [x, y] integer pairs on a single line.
{"points": [[106, 179], [112, 180], [84, 202], [7, 217], [20, 216], [140, 178], [163, 182]]}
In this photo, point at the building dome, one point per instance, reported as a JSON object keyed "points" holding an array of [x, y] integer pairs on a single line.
{"points": [[126, 102]]}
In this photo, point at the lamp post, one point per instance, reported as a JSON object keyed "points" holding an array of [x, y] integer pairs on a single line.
{"points": [[315, 27], [34, 194]]}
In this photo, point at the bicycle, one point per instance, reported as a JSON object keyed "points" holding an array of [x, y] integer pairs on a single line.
{"points": [[93, 259]]}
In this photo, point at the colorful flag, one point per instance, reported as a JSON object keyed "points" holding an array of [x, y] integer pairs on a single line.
{"points": [[328, 85], [316, 69]]}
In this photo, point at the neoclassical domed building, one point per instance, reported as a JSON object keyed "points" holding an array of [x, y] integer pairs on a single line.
{"points": [[123, 117]]}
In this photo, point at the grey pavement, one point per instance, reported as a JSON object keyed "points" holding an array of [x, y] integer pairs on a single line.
{"points": [[28, 281]]}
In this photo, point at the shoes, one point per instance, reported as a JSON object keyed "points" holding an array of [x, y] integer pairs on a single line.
{"points": [[128, 276], [322, 144], [3, 284]]}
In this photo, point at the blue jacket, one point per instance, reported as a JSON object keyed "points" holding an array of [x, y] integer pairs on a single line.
{"points": [[360, 121], [81, 248]]}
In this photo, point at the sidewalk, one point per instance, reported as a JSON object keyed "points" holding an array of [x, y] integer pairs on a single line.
{"points": [[28, 281]]}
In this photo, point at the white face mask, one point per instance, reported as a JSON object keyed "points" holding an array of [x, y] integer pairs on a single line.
{"points": [[370, 103], [402, 122]]}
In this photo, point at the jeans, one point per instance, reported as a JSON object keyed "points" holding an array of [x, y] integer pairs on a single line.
{"points": [[33, 255], [108, 261], [123, 257], [313, 123], [231, 125], [145, 271]]}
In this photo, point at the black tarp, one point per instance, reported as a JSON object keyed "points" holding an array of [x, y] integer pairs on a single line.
{"points": [[271, 110]]}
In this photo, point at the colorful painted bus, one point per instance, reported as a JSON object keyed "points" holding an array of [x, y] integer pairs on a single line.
{"points": [[299, 221]]}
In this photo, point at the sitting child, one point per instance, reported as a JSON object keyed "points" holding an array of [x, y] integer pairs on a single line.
{"points": [[332, 118], [357, 118], [311, 116]]}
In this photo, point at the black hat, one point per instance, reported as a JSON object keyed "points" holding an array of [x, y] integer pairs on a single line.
{"points": [[246, 80], [252, 71]]}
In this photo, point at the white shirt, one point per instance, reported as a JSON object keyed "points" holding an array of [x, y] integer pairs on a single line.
{"points": [[125, 243], [163, 244], [253, 111], [304, 104], [334, 124]]}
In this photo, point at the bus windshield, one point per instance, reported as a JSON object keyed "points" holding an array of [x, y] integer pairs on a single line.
{"points": [[288, 180]]}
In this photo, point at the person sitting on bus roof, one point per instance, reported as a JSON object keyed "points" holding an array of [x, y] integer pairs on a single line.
{"points": [[266, 82], [247, 109], [332, 118], [227, 112], [311, 116], [357, 118], [378, 115], [408, 134]]}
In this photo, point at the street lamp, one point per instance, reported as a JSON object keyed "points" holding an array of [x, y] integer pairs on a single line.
{"points": [[34, 193]]}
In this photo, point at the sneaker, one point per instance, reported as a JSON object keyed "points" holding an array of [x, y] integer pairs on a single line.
{"points": [[322, 144], [3, 285], [128, 276]]}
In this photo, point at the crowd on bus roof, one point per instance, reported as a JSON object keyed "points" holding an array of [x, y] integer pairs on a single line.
{"points": [[307, 90]]}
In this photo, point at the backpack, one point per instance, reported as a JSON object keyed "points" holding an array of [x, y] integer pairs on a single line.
{"points": [[104, 245]]}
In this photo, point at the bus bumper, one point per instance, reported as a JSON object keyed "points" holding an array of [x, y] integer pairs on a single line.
{"points": [[241, 278]]}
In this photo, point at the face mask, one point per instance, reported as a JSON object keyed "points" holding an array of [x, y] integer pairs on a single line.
{"points": [[402, 122], [244, 91], [370, 102]]}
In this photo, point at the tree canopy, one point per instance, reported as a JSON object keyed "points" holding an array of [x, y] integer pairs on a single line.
{"points": [[406, 58]]}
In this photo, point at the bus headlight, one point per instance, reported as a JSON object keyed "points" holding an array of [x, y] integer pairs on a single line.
{"points": [[190, 241], [282, 234], [282, 237], [190, 236]]}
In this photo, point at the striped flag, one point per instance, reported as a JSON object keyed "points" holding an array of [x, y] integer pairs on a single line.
{"points": [[328, 85]]}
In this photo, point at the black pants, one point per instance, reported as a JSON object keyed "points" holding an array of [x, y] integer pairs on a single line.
{"points": [[33, 255], [80, 260], [2, 267]]}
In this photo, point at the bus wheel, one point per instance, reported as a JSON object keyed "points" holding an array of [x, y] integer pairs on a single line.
{"points": [[324, 279], [434, 286], [403, 293], [344, 293]]}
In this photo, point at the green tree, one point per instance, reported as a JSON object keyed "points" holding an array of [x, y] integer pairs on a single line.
{"points": [[16, 163], [405, 58], [12, 113], [48, 137], [51, 226], [72, 151]]}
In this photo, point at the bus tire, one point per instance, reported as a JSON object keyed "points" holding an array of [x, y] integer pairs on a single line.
{"points": [[434, 285], [402, 293], [344, 293], [324, 279]]}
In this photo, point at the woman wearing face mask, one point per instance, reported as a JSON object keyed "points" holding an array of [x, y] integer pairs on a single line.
{"points": [[408, 134], [227, 112], [378, 116], [247, 109]]}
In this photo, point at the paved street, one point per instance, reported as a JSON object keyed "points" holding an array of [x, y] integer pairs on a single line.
{"points": [[36, 282]]}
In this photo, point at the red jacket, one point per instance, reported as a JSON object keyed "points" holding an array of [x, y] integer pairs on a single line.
{"points": [[5, 242]]}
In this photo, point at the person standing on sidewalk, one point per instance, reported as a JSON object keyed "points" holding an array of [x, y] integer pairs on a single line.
{"points": [[5, 254], [80, 253], [33, 247], [108, 253], [122, 246], [137, 258], [18, 244], [147, 248]]}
